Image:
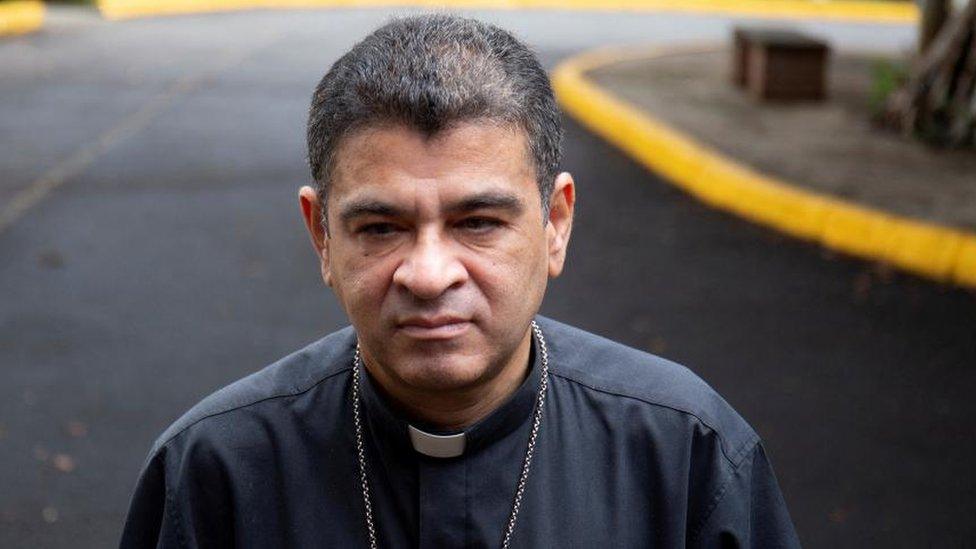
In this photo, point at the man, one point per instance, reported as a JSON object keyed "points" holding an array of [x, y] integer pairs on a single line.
{"points": [[449, 414]]}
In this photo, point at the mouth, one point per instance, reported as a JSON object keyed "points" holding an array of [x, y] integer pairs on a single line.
{"points": [[433, 328]]}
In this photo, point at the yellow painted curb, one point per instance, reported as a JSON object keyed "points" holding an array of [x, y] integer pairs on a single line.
{"points": [[849, 10], [940, 253], [20, 16]]}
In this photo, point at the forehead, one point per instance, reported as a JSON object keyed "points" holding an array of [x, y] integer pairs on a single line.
{"points": [[471, 156]]}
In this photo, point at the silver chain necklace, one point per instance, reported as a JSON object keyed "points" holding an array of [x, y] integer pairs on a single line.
{"points": [[523, 478]]}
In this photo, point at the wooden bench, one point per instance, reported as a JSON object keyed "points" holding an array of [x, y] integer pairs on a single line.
{"points": [[779, 64]]}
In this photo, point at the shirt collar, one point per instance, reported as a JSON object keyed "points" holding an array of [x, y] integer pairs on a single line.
{"points": [[393, 430]]}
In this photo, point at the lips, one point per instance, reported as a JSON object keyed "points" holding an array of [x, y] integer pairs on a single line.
{"points": [[433, 327]]}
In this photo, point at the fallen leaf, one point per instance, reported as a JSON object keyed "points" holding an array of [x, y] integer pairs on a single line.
{"points": [[862, 286], [839, 515], [49, 514], [51, 259], [658, 345], [641, 324], [63, 463], [76, 428], [41, 453], [885, 272]]}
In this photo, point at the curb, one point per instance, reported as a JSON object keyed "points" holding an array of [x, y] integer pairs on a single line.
{"points": [[844, 10], [929, 250], [20, 16]]}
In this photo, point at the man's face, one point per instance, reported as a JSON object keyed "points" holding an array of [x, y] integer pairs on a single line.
{"points": [[438, 251]]}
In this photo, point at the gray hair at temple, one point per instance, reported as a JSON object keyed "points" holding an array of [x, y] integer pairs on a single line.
{"points": [[432, 72]]}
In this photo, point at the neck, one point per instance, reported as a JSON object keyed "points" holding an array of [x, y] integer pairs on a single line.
{"points": [[458, 409]]}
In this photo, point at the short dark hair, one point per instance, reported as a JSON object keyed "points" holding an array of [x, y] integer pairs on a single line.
{"points": [[431, 72]]}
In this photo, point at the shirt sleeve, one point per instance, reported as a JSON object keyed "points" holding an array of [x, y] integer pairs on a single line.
{"points": [[180, 501], [749, 510]]}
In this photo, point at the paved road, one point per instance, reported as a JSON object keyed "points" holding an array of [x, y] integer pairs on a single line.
{"points": [[167, 259]]}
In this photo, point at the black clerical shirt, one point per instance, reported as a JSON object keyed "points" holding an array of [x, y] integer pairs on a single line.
{"points": [[633, 451]]}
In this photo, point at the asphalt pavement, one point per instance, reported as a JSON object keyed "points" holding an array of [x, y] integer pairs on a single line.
{"points": [[153, 252]]}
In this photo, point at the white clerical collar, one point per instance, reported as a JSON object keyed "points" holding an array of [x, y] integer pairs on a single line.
{"points": [[439, 446]]}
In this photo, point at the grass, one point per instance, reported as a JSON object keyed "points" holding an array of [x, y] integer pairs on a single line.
{"points": [[887, 75]]}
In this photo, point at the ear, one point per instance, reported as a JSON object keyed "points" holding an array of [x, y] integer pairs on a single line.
{"points": [[560, 223], [311, 207]]}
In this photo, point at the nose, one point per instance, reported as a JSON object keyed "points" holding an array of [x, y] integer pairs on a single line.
{"points": [[430, 267]]}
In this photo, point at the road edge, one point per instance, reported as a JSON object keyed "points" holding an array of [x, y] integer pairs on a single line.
{"points": [[871, 11], [20, 16], [926, 249]]}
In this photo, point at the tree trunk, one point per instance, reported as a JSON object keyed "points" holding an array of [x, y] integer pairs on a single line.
{"points": [[938, 102], [934, 14]]}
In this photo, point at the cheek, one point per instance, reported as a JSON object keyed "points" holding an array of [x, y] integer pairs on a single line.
{"points": [[509, 275], [362, 284]]}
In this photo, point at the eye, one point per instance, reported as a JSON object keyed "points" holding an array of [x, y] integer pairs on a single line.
{"points": [[478, 224], [377, 229]]}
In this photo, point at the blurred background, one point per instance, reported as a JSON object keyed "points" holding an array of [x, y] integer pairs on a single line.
{"points": [[151, 248]]}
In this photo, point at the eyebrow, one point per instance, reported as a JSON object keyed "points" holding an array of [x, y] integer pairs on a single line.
{"points": [[489, 200], [369, 206]]}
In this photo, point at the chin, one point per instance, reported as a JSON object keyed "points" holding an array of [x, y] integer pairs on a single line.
{"points": [[430, 373]]}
